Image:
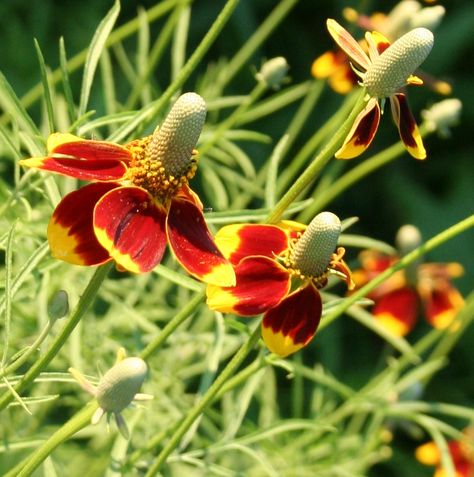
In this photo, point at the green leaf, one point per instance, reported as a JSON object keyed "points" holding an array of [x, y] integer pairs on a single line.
{"points": [[46, 89], [63, 64], [94, 52], [11, 104]]}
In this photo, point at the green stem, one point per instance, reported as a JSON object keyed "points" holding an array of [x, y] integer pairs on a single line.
{"points": [[227, 123], [75, 424], [142, 118], [411, 257], [357, 173], [318, 163], [115, 37], [289, 173], [251, 45], [207, 399], [82, 306], [171, 326]]}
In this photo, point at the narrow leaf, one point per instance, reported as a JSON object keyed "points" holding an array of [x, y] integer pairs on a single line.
{"points": [[94, 52]]}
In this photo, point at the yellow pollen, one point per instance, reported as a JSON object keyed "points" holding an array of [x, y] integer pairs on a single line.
{"points": [[150, 174]]}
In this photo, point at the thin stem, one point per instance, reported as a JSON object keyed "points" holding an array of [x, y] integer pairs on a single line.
{"points": [[318, 163], [141, 119], [171, 326], [207, 399], [82, 306], [357, 173], [251, 45], [227, 123], [411, 257], [115, 37], [289, 173], [75, 424]]}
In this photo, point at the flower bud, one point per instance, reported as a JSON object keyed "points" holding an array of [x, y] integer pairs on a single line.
{"points": [[407, 239], [313, 250], [174, 141], [273, 72], [442, 115], [390, 71], [399, 19], [429, 17], [58, 306], [120, 384]]}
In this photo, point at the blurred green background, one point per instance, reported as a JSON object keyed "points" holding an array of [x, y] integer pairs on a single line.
{"points": [[433, 194]]}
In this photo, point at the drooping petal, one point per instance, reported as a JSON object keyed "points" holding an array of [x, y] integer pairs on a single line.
{"points": [[362, 132], [442, 305], [291, 325], [88, 170], [90, 149], [407, 127], [70, 231], [397, 311], [347, 43], [428, 454], [239, 241], [377, 44], [131, 226], [261, 283], [193, 245]]}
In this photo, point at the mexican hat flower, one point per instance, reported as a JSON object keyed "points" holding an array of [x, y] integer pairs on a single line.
{"points": [[422, 287], [405, 16], [139, 199], [279, 271], [383, 72], [462, 456]]}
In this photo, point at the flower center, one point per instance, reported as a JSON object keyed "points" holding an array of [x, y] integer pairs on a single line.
{"points": [[390, 71], [313, 252], [163, 162]]}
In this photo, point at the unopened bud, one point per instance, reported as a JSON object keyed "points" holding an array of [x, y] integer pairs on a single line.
{"points": [[120, 384], [399, 19], [174, 141], [273, 72], [442, 116], [58, 306], [407, 239], [429, 17], [313, 250], [390, 71]]}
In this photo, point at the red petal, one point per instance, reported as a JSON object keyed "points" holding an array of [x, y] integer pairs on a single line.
{"points": [[131, 226], [239, 241], [70, 230], [362, 133], [87, 170], [194, 246], [86, 148], [398, 310], [261, 284], [407, 127], [292, 324], [442, 305], [347, 43]]}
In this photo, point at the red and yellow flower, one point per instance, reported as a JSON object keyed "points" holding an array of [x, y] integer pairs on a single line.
{"points": [[139, 199], [335, 66], [279, 270], [383, 72], [423, 286], [462, 455]]}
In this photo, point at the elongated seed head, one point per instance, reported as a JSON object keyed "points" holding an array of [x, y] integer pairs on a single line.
{"points": [[120, 383], [173, 142], [313, 250], [390, 71]]}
